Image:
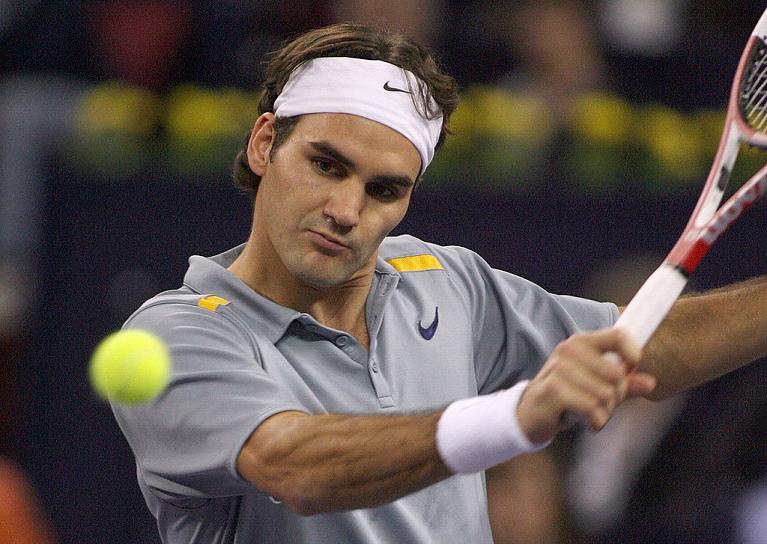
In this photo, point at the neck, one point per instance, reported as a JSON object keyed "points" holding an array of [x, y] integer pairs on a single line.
{"points": [[341, 307]]}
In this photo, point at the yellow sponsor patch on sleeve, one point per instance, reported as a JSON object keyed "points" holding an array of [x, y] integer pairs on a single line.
{"points": [[212, 302], [415, 263]]}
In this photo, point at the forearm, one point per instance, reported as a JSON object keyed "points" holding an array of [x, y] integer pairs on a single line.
{"points": [[708, 335], [323, 463], [524, 499]]}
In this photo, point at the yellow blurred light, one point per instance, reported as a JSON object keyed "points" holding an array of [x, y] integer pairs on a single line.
{"points": [[509, 115], [117, 108], [710, 124], [601, 118], [675, 140], [194, 113]]}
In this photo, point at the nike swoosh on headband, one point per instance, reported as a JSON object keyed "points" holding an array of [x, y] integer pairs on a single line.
{"points": [[395, 89], [428, 332], [353, 86]]}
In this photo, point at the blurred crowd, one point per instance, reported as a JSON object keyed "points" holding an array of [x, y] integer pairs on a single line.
{"points": [[647, 49], [553, 90]]}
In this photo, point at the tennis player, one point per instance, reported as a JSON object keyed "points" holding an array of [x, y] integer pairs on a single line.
{"points": [[333, 384]]}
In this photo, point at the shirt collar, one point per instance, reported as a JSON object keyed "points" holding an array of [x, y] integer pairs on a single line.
{"points": [[209, 276]]}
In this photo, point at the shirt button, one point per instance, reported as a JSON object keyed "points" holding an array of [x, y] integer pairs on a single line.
{"points": [[341, 341], [374, 366]]}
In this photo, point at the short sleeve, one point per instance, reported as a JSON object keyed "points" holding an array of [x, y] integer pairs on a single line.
{"points": [[187, 441], [516, 323]]}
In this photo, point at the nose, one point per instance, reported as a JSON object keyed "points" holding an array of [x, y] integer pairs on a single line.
{"points": [[345, 203]]}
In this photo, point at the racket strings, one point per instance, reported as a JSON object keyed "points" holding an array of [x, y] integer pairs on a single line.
{"points": [[753, 94]]}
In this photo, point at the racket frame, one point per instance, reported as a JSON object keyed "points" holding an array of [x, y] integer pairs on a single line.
{"points": [[649, 307]]}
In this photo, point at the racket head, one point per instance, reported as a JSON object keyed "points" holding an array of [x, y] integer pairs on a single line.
{"points": [[748, 99], [746, 122]]}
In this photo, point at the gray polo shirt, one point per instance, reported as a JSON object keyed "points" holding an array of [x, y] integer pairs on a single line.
{"points": [[443, 325]]}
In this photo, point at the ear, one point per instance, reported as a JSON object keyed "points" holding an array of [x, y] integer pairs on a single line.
{"points": [[260, 143]]}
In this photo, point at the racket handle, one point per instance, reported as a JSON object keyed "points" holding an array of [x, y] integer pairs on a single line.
{"points": [[652, 303], [645, 312]]}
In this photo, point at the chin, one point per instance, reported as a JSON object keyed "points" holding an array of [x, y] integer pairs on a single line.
{"points": [[316, 281], [320, 274]]}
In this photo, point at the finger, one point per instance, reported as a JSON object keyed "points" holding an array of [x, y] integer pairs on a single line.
{"points": [[605, 392], [570, 399], [617, 341], [640, 384], [578, 350]]}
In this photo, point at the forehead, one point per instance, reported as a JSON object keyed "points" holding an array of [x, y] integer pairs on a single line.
{"points": [[361, 139]]}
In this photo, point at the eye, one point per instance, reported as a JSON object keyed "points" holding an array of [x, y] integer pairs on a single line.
{"points": [[381, 191], [326, 166]]}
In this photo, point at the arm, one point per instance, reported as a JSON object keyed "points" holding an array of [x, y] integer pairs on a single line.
{"points": [[323, 463], [319, 463], [525, 500], [703, 337], [707, 335]]}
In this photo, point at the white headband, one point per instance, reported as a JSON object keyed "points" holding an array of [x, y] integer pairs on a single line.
{"points": [[373, 89]]}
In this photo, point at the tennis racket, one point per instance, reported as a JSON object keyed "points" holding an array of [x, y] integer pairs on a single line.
{"points": [[746, 122]]}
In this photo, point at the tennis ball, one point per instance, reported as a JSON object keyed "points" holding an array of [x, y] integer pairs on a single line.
{"points": [[130, 367]]}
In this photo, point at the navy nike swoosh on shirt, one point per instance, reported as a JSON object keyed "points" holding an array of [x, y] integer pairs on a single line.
{"points": [[428, 332]]}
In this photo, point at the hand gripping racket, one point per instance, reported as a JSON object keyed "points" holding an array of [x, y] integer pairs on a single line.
{"points": [[746, 122]]}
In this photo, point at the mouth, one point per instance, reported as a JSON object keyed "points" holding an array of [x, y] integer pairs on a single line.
{"points": [[327, 242]]}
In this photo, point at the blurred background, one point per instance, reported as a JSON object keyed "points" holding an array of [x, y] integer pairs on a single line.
{"points": [[585, 132]]}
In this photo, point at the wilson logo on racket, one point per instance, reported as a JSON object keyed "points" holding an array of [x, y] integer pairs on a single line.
{"points": [[728, 214]]}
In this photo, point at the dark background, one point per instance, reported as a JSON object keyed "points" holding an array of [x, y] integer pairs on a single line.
{"points": [[107, 235]]}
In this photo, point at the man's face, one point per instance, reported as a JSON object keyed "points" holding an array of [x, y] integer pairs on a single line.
{"points": [[329, 196]]}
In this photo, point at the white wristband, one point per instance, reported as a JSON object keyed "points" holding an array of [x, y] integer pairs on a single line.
{"points": [[477, 433]]}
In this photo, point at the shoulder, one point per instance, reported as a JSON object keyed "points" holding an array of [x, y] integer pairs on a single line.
{"points": [[182, 315], [407, 253], [464, 269]]}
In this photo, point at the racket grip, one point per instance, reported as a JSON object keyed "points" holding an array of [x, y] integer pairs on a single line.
{"points": [[646, 311], [650, 306], [652, 302]]}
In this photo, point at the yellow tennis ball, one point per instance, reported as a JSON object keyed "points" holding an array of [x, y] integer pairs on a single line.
{"points": [[130, 367]]}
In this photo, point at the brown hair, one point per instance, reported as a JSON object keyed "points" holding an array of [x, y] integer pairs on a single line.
{"points": [[349, 40]]}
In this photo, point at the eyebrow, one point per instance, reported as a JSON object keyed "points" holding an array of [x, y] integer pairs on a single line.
{"points": [[327, 149]]}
